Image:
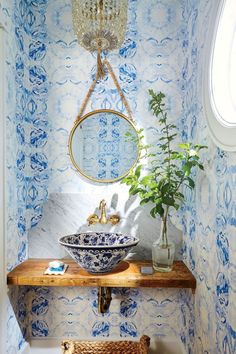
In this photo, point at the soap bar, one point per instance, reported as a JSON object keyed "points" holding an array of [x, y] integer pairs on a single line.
{"points": [[56, 265], [146, 270], [56, 271]]}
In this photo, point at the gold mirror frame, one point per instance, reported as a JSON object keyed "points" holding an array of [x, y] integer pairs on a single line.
{"points": [[78, 122]]}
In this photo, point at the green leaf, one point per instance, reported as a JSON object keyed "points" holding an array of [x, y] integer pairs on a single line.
{"points": [[145, 201], [176, 206], [165, 188], [158, 209], [184, 146], [187, 169], [172, 136], [180, 195], [191, 182], [199, 147], [133, 189], [153, 212], [172, 126], [168, 200], [145, 181], [129, 182], [138, 171]]}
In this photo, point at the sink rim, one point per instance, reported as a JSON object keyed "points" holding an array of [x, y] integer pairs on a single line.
{"points": [[130, 244]]}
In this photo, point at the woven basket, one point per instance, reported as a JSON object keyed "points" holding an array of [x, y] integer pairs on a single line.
{"points": [[106, 347]]}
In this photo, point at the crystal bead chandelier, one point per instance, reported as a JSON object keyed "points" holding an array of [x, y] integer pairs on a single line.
{"points": [[100, 24]]}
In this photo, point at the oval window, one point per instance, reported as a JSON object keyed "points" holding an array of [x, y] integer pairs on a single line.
{"points": [[220, 93]]}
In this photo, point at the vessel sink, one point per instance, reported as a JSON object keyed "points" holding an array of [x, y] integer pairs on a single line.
{"points": [[98, 252]]}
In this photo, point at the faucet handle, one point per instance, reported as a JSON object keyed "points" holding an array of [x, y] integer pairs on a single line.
{"points": [[114, 219], [93, 219]]}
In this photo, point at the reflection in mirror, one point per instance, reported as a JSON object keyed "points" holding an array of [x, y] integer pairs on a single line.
{"points": [[99, 147]]}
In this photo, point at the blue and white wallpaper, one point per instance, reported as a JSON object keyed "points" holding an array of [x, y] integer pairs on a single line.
{"points": [[209, 215], [26, 132], [26, 124], [15, 213], [47, 78], [70, 71], [72, 313]]}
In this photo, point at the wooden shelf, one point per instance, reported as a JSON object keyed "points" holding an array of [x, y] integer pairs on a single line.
{"points": [[126, 274]]}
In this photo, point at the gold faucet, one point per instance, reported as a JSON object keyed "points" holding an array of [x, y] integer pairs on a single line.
{"points": [[103, 217], [94, 218]]}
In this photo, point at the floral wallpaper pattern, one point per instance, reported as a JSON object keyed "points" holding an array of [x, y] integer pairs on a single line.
{"points": [[69, 72], [26, 132], [27, 126], [133, 312], [209, 214], [16, 239], [47, 77]]}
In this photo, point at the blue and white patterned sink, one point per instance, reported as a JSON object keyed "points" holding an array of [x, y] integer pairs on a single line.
{"points": [[98, 252]]}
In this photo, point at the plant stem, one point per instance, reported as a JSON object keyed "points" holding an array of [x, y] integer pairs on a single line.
{"points": [[179, 184], [164, 235], [168, 149], [168, 144]]}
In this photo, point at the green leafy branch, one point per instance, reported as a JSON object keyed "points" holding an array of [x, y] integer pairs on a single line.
{"points": [[170, 169]]}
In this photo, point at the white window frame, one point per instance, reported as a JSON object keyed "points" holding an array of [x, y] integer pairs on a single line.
{"points": [[223, 135], [3, 286]]}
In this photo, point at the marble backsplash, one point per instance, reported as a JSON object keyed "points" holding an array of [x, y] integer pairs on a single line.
{"points": [[66, 213]]}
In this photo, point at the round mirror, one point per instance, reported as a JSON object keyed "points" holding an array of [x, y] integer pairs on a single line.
{"points": [[103, 145]]}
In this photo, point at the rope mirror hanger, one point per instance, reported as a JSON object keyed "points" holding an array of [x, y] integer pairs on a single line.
{"points": [[117, 85], [98, 144]]}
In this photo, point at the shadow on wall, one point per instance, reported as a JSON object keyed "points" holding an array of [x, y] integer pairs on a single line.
{"points": [[65, 214]]}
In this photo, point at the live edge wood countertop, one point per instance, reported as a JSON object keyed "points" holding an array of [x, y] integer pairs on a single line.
{"points": [[126, 274]]}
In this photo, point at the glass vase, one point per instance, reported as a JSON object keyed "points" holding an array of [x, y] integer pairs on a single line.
{"points": [[163, 251]]}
